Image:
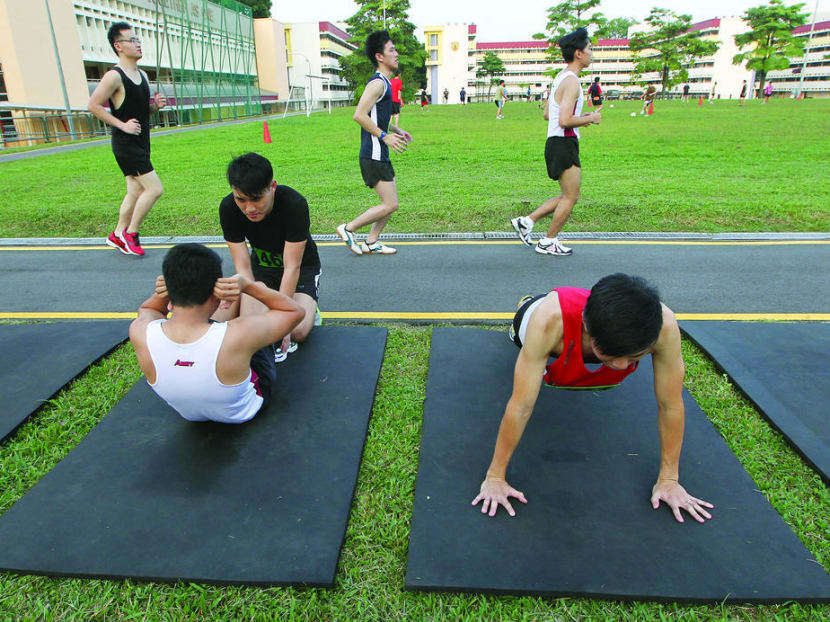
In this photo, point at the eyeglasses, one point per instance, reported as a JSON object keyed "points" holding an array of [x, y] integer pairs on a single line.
{"points": [[132, 40]]}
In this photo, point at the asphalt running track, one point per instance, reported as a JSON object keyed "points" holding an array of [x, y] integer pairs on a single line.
{"points": [[459, 281]]}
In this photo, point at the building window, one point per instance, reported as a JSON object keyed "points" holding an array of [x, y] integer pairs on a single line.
{"points": [[433, 40]]}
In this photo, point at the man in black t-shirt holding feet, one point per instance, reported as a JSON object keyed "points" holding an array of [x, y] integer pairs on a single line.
{"points": [[274, 220]]}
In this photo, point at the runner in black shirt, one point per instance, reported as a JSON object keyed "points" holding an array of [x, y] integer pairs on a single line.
{"points": [[127, 90], [274, 220]]}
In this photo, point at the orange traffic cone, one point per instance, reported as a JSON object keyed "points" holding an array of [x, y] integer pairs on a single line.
{"points": [[266, 135], [651, 108], [700, 101]]}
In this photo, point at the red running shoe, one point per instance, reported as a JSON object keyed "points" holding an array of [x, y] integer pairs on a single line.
{"points": [[114, 241], [131, 242]]}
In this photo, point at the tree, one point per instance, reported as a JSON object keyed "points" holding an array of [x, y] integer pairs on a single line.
{"points": [[491, 65], [566, 17], [771, 38], [357, 69], [675, 45], [616, 28], [262, 8]]}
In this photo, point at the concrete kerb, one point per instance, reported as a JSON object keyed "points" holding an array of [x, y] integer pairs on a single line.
{"points": [[452, 236]]}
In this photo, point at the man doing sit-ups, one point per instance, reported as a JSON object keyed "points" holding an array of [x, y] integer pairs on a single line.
{"points": [[206, 362], [617, 323]]}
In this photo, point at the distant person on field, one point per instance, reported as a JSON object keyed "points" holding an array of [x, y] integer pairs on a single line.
{"points": [[685, 97], [620, 321], [501, 97], [767, 92], [564, 116], [424, 99], [742, 97], [595, 93], [462, 96], [377, 136], [446, 95], [545, 96], [210, 363], [648, 98], [397, 101], [712, 94], [528, 94], [274, 220], [127, 89]]}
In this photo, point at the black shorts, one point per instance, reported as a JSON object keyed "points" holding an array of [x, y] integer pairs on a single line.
{"points": [[264, 373], [561, 153], [396, 107], [374, 171], [134, 164], [308, 282], [596, 100]]}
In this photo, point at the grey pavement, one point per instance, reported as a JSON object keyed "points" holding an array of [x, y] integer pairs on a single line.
{"points": [[457, 276]]}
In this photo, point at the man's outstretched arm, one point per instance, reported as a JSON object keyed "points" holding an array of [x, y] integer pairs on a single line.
{"points": [[669, 372]]}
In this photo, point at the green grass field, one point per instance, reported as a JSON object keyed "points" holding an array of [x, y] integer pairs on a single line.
{"points": [[686, 168]]}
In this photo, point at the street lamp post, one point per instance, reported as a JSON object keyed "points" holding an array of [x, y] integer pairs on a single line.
{"points": [[309, 98], [60, 72], [809, 40]]}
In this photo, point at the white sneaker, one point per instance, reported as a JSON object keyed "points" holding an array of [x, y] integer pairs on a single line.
{"points": [[348, 237], [523, 229], [377, 249], [280, 355], [552, 246]]}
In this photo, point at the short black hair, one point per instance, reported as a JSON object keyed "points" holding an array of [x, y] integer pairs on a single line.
{"points": [[596, 79], [190, 272], [623, 314], [375, 43], [571, 42], [251, 173], [114, 31]]}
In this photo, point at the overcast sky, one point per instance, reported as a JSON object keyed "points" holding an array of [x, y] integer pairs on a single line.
{"points": [[516, 20]]}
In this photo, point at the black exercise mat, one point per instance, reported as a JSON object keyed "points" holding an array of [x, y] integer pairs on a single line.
{"points": [[151, 496], [783, 370], [586, 463], [39, 359]]}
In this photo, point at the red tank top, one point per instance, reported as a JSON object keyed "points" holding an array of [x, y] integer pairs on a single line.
{"points": [[569, 371]]}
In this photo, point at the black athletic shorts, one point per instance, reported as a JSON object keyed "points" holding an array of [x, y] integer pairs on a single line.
{"points": [[263, 365], [596, 100], [132, 160], [374, 171], [396, 107], [307, 283], [561, 153]]}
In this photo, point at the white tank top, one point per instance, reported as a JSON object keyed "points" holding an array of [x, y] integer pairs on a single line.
{"points": [[554, 129], [186, 377]]}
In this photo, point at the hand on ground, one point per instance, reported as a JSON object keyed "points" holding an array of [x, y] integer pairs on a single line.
{"points": [[496, 492], [676, 497]]}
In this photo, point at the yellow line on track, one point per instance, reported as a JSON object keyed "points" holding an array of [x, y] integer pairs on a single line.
{"points": [[437, 316], [103, 247]]}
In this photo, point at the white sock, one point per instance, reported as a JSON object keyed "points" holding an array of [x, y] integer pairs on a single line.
{"points": [[546, 241], [528, 222]]}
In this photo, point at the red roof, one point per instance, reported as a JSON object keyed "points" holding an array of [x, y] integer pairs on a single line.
{"points": [[329, 27], [500, 45], [611, 42], [704, 25], [806, 27], [471, 29]]}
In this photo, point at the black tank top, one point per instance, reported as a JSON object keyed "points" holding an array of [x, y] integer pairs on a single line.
{"points": [[136, 105]]}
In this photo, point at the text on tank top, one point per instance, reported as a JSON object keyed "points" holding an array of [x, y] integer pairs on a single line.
{"points": [[554, 129], [186, 377], [136, 105], [568, 371]]}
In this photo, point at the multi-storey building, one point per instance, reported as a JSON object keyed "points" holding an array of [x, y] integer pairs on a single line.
{"points": [[313, 53], [199, 53], [527, 65]]}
